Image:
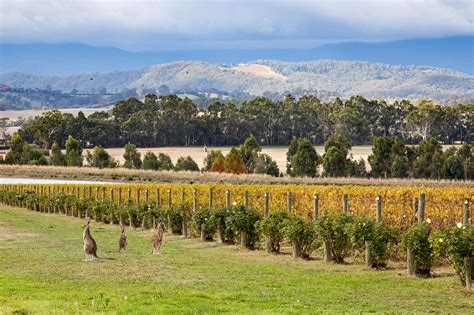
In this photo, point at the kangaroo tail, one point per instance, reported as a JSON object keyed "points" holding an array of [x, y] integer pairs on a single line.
{"points": [[103, 258]]}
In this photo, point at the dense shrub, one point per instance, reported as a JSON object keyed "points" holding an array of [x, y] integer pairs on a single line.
{"points": [[417, 237], [205, 216], [165, 162], [150, 161], [211, 157], [240, 218], [337, 231], [131, 156], [264, 164], [176, 214], [186, 164], [454, 244], [220, 217], [233, 163], [383, 239], [273, 226], [302, 233]]}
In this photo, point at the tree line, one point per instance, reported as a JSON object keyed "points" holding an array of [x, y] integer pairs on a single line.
{"points": [[390, 158], [168, 120]]}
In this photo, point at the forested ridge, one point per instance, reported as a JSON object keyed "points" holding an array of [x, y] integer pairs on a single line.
{"points": [[169, 120]]}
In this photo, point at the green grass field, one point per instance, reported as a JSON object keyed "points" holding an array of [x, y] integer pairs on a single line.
{"points": [[42, 271]]}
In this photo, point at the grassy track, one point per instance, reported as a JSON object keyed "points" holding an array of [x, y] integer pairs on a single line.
{"points": [[41, 271]]}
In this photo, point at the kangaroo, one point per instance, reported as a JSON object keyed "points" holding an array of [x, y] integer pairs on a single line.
{"points": [[90, 246], [123, 239], [157, 239]]}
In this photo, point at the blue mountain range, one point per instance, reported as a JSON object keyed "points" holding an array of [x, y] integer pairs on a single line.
{"points": [[456, 53]]}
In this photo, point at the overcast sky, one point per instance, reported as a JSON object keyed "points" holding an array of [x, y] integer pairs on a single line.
{"points": [[162, 25]]}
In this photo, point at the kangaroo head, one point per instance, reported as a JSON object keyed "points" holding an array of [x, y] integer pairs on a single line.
{"points": [[86, 226]]}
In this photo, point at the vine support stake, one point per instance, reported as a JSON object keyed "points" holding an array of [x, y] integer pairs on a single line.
{"points": [[158, 198], [119, 204], [410, 262], [112, 199], [315, 208], [137, 195], [421, 208], [227, 199], [368, 256], [246, 199], [378, 209], [327, 252], [468, 272], [170, 222], [345, 205], [119, 197], [268, 239], [194, 200], [288, 201], [169, 199], [129, 203], [466, 214], [184, 224], [146, 204], [203, 232], [210, 197]]}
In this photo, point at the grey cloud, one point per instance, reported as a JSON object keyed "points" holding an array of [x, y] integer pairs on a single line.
{"points": [[155, 23]]}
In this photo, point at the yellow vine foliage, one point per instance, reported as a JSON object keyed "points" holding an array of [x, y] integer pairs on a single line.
{"points": [[443, 206]]}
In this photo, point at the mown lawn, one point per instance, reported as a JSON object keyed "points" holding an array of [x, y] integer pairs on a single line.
{"points": [[42, 271]]}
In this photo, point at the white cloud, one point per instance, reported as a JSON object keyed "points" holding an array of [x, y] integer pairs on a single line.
{"points": [[147, 23]]}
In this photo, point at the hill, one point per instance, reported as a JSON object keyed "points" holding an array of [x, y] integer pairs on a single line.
{"points": [[324, 78]]}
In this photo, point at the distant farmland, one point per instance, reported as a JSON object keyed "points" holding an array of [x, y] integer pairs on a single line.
{"points": [[198, 154], [15, 114]]}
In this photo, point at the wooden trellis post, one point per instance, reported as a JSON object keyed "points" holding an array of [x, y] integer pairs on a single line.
{"points": [[368, 244], [112, 199], [466, 214], [268, 239], [210, 197], [411, 266], [137, 197], [129, 203], [421, 208], [170, 222], [227, 199], [158, 198], [288, 201], [315, 208], [378, 209], [184, 226], [119, 205], [345, 205], [220, 228]]}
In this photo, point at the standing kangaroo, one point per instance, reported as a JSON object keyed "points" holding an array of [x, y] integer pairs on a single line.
{"points": [[156, 239], [122, 240], [90, 247]]}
